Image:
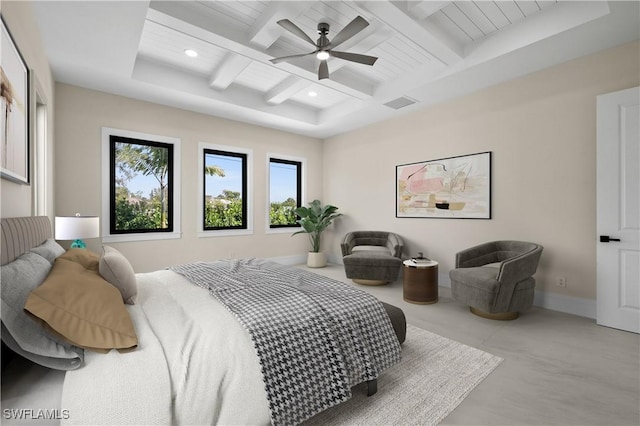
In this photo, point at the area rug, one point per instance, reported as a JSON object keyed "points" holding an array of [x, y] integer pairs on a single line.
{"points": [[432, 379]]}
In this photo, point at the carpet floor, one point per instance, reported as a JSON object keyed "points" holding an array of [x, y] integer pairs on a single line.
{"points": [[433, 377]]}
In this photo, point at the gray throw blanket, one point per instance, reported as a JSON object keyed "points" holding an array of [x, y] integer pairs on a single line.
{"points": [[315, 337]]}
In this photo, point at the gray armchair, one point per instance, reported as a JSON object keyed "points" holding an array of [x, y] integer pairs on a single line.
{"points": [[372, 257], [496, 279]]}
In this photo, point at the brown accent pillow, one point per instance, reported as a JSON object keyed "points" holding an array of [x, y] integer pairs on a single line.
{"points": [[75, 302], [116, 269]]}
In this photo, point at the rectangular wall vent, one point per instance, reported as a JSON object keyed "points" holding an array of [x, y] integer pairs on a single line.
{"points": [[400, 102]]}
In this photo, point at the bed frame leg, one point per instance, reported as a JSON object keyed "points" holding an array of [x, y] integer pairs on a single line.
{"points": [[372, 387]]}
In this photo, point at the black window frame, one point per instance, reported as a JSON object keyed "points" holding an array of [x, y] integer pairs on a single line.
{"points": [[243, 196], [298, 165], [113, 139]]}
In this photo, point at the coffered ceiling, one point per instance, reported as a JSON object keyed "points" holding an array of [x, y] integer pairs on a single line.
{"points": [[429, 52]]}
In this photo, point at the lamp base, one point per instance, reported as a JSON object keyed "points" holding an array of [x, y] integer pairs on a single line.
{"points": [[78, 244]]}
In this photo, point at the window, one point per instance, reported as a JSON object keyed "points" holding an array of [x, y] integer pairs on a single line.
{"points": [[141, 186], [224, 190], [285, 192]]}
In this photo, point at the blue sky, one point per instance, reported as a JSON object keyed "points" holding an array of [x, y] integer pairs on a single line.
{"points": [[283, 179]]}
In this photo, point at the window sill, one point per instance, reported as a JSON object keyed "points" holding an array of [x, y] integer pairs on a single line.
{"points": [[224, 233], [283, 230], [141, 237]]}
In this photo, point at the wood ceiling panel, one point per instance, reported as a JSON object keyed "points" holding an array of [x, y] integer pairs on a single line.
{"points": [[493, 13], [462, 21], [406, 51], [243, 13], [334, 13], [510, 10], [261, 77], [448, 27], [546, 3], [528, 7], [475, 14]]}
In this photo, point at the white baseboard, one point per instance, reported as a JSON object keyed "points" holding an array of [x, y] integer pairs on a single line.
{"points": [[555, 302], [567, 304], [295, 259]]}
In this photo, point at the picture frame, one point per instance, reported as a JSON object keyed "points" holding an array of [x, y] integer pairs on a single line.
{"points": [[446, 188], [15, 111]]}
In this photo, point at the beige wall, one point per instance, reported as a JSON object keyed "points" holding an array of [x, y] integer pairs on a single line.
{"points": [[80, 115], [542, 131], [17, 198]]}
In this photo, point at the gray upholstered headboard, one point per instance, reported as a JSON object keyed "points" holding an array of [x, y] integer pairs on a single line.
{"points": [[20, 234]]}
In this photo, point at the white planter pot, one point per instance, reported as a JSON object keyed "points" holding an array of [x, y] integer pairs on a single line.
{"points": [[316, 260]]}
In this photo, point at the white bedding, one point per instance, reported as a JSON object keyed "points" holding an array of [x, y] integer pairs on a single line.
{"points": [[180, 373]]}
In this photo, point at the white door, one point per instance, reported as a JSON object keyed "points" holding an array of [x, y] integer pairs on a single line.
{"points": [[618, 210]]}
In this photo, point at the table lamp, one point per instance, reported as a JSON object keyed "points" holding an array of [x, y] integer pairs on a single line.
{"points": [[77, 227]]}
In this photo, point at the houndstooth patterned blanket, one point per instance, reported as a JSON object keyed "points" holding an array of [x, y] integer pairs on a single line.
{"points": [[315, 337]]}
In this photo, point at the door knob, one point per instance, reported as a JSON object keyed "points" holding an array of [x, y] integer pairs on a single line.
{"points": [[606, 239]]}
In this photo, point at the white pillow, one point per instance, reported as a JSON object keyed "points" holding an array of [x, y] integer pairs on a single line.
{"points": [[116, 269]]}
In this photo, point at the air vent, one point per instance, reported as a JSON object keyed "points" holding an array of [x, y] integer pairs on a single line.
{"points": [[400, 102]]}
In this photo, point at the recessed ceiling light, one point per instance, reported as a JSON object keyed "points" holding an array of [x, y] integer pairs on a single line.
{"points": [[190, 53], [313, 94]]}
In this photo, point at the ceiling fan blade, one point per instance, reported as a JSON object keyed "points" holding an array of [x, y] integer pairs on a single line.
{"points": [[295, 30], [286, 58], [323, 70], [354, 27], [354, 57]]}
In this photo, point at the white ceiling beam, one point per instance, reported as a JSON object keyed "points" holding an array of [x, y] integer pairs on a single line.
{"points": [[404, 24], [547, 23], [265, 31], [285, 90], [250, 52], [425, 8], [236, 99], [229, 69]]}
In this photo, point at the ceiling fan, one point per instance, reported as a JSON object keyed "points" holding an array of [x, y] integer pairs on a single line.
{"points": [[324, 47]]}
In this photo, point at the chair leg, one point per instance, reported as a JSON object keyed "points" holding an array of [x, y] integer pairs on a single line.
{"points": [[502, 316], [372, 387]]}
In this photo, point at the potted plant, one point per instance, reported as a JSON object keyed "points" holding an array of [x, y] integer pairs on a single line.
{"points": [[313, 220]]}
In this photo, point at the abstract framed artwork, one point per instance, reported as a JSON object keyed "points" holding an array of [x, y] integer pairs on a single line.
{"points": [[454, 187], [14, 111]]}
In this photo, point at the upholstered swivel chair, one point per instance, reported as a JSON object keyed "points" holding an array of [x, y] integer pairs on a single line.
{"points": [[372, 257], [496, 279]]}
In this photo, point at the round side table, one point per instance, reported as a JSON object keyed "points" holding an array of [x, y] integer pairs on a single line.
{"points": [[420, 282]]}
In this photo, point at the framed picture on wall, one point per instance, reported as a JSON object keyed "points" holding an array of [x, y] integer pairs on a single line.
{"points": [[454, 188], [14, 111]]}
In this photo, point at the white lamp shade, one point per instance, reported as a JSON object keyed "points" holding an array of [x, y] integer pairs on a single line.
{"points": [[77, 227]]}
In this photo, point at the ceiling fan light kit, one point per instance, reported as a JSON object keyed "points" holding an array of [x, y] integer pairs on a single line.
{"points": [[324, 47]]}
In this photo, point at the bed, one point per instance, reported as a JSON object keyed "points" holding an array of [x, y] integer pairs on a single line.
{"points": [[199, 353]]}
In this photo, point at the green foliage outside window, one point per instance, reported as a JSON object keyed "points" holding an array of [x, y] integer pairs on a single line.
{"points": [[283, 213], [136, 212], [224, 211]]}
